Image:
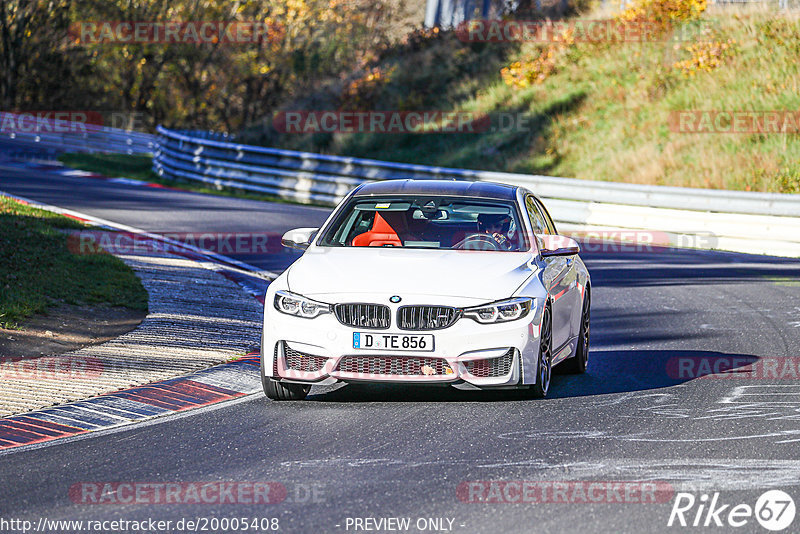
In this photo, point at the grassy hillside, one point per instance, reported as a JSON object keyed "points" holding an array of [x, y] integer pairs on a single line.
{"points": [[601, 111]]}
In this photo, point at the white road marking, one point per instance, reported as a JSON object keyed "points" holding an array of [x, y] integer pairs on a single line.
{"points": [[537, 435], [766, 394], [691, 474], [232, 264]]}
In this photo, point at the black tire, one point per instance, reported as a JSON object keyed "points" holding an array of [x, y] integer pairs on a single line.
{"points": [[544, 368], [577, 364], [279, 391]]}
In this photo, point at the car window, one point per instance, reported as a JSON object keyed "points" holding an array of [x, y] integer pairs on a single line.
{"points": [[536, 216], [425, 222], [549, 220]]}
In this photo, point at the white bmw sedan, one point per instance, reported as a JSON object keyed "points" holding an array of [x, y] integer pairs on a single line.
{"points": [[428, 282]]}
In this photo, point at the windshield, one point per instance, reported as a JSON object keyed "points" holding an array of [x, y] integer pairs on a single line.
{"points": [[425, 222]]}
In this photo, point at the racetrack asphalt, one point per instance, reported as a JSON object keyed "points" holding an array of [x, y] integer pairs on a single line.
{"points": [[166, 211], [400, 451]]}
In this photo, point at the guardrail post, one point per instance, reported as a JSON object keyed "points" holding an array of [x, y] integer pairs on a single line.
{"points": [[432, 14]]}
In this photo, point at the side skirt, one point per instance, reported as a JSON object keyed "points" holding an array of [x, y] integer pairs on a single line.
{"points": [[565, 351]]}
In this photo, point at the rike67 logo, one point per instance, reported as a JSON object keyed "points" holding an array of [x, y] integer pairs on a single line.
{"points": [[774, 510]]}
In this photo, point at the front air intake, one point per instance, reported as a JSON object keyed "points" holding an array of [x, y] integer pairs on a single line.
{"points": [[300, 361], [491, 367], [394, 366]]}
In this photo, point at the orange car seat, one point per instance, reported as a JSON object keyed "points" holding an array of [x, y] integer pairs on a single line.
{"points": [[381, 234]]}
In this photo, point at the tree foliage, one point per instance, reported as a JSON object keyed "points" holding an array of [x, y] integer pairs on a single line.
{"points": [[216, 85]]}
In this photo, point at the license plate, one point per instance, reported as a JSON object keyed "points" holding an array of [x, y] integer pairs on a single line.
{"points": [[364, 340]]}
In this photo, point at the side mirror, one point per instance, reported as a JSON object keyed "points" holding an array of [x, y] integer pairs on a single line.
{"points": [[299, 238], [557, 245]]}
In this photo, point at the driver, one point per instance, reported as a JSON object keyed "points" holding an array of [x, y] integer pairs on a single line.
{"points": [[496, 226]]}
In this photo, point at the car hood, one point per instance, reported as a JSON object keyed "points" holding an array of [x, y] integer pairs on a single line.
{"points": [[477, 275]]}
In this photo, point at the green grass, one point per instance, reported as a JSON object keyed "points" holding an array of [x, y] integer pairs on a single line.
{"points": [[130, 166], [140, 167], [38, 270]]}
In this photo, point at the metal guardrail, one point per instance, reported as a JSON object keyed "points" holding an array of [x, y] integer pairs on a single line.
{"points": [[767, 223], [56, 135], [280, 170]]}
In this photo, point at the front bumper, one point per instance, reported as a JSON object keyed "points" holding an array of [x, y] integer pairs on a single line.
{"points": [[467, 355]]}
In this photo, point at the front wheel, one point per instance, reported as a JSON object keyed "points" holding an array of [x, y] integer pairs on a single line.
{"points": [[279, 391], [544, 365]]}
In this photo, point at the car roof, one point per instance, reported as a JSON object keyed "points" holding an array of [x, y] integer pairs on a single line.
{"points": [[460, 188]]}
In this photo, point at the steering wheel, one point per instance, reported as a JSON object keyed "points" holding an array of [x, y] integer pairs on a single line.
{"points": [[477, 242]]}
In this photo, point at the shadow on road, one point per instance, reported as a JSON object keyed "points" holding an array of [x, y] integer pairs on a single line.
{"points": [[622, 371], [610, 371], [668, 266]]}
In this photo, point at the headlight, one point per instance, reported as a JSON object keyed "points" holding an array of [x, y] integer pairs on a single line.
{"points": [[501, 311], [298, 305]]}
